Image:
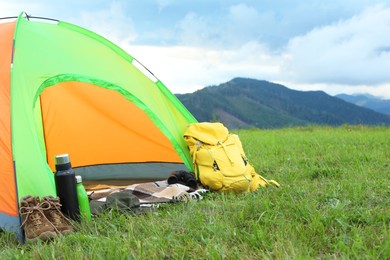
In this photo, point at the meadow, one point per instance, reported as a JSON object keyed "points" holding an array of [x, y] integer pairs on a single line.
{"points": [[334, 203]]}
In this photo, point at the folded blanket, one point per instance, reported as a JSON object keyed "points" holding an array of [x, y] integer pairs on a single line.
{"points": [[159, 192], [149, 192]]}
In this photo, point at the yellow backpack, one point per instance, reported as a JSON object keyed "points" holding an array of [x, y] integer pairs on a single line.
{"points": [[219, 160]]}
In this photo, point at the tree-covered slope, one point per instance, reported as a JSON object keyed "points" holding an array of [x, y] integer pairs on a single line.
{"points": [[243, 103]]}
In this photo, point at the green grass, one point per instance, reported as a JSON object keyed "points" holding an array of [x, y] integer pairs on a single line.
{"points": [[334, 203]]}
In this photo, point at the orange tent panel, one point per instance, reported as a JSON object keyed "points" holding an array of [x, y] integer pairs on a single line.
{"points": [[8, 199], [99, 126]]}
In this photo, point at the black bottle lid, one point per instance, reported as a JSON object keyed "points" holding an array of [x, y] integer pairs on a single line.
{"points": [[62, 162]]}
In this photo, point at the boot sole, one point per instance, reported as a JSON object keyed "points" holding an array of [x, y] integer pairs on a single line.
{"points": [[65, 232], [43, 236]]}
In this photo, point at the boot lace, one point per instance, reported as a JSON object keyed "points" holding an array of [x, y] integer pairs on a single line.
{"points": [[35, 213], [56, 213]]}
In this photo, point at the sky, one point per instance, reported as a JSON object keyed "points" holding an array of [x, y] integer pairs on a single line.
{"points": [[337, 46]]}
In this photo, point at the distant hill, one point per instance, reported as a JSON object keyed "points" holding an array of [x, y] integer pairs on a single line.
{"points": [[368, 101], [245, 103]]}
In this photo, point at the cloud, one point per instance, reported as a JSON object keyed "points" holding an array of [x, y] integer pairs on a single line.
{"points": [[195, 30], [382, 90], [185, 69], [337, 47], [351, 55], [162, 4], [247, 23], [350, 52], [244, 15], [112, 23], [231, 27]]}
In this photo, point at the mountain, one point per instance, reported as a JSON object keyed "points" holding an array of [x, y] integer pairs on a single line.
{"points": [[368, 101], [245, 103]]}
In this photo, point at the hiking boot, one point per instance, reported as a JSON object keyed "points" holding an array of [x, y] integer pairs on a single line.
{"points": [[55, 216], [34, 222]]}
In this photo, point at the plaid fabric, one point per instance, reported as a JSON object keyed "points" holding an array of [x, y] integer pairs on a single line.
{"points": [[149, 192], [159, 192], [140, 198]]}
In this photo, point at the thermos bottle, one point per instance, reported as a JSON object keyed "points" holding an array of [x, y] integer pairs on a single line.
{"points": [[66, 187], [82, 196]]}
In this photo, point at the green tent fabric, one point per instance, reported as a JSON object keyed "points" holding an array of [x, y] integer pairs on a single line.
{"points": [[73, 91]]}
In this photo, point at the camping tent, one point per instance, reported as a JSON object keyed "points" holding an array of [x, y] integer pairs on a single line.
{"points": [[64, 89]]}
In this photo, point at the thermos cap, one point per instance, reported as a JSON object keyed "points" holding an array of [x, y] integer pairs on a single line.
{"points": [[62, 159], [78, 179]]}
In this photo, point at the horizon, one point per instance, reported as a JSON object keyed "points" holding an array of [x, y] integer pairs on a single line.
{"points": [[353, 94], [339, 48]]}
